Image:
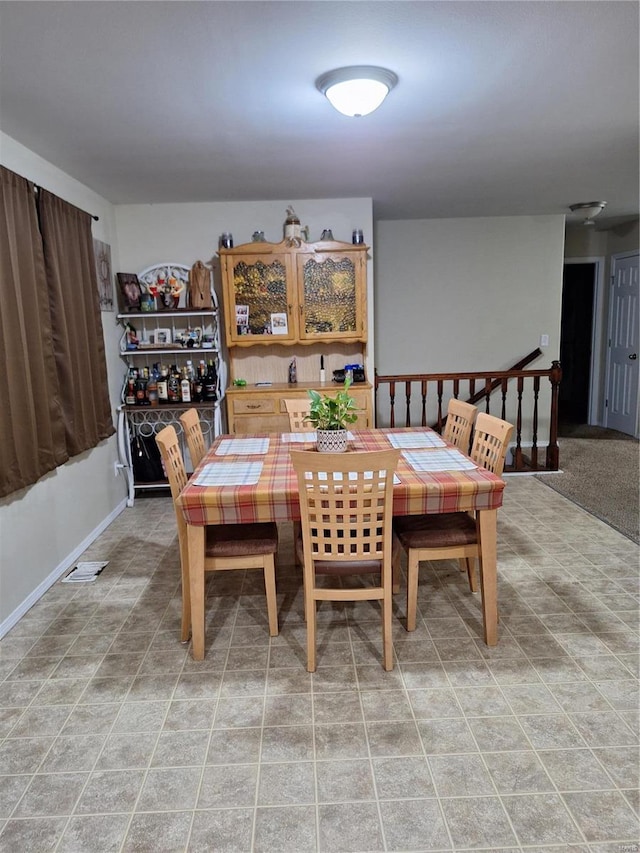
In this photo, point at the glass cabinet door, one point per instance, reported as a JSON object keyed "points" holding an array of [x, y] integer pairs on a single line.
{"points": [[331, 295], [261, 299]]}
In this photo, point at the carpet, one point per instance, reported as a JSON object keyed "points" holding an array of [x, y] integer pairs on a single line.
{"points": [[601, 476]]}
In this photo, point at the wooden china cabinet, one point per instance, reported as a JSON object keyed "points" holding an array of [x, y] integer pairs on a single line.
{"points": [[285, 302]]}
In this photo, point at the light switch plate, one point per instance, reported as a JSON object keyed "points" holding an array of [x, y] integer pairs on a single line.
{"points": [[544, 340]]}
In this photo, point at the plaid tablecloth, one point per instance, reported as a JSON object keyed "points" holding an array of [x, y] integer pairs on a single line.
{"points": [[275, 496]]}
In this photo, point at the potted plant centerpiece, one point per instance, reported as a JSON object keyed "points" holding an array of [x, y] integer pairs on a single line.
{"points": [[331, 416]]}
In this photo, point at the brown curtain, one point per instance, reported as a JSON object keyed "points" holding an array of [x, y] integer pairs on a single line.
{"points": [[78, 344], [54, 400], [32, 438]]}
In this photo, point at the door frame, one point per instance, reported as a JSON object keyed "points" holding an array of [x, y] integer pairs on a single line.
{"points": [[618, 256], [596, 412]]}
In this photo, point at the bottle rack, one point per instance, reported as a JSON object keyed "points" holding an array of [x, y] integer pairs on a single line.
{"points": [[171, 336]]}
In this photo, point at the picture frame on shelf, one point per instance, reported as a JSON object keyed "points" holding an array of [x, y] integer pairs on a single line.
{"points": [[162, 337], [130, 291]]}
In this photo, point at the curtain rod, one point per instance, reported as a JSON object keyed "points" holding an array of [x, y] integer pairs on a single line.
{"points": [[95, 218]]}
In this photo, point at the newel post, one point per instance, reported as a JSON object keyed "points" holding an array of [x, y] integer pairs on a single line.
{"points": [[555, 377]]}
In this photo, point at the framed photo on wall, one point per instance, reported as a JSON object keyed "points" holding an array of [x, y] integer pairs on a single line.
{"points": [[102, 253]]}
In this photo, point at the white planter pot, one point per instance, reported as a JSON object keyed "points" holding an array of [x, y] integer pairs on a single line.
{"points": [[331, 440]]}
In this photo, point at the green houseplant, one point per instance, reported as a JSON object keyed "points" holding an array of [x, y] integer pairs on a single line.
{"points": [[331, 415]]}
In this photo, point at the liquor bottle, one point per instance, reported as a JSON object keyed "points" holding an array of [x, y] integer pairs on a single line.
{"points": [[152, 386], [197, 386], [173, 385], [163, 385], [211, 383], [185, 387], [141, 388], [130, 389]]}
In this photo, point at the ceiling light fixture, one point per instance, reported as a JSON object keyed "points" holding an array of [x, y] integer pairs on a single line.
{"points": [[588, 210], [357, 90]]}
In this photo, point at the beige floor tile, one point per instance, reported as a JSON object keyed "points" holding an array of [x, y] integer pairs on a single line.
{"points": [[112, 737]]}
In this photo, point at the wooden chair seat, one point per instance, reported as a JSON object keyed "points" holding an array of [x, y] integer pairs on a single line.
{"points": [[240, 540], [447, 530]]}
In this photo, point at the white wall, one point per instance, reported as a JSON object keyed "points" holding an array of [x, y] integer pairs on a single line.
{"points": [[42, 527], [467, 294]]}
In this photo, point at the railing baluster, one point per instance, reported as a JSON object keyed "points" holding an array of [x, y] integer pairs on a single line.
{"points": [[407, 397], [534, 425], [392, 404], [456, 388], [487, 393], [519, 459], [424, 402], [504, 383], [440, 389], [555, 378]]}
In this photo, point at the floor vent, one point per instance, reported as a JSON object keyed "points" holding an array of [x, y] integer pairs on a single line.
{"points": [[85, 572]]}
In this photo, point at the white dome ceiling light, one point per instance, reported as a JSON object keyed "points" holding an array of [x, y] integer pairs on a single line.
{"points": [[357, 90], [588, 210]]}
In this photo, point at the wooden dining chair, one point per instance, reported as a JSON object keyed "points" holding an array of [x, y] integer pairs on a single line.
{"points": [[227, 546], [194, 436], [459, 423], [297, 411], [452, 535], [346, 503]]}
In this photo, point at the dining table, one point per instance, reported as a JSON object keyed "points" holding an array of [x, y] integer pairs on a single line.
{"points": [[249, 478]]}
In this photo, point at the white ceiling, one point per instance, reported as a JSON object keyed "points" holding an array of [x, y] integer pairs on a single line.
{"points": [[502, 108]]}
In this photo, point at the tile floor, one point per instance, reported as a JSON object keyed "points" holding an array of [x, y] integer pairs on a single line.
{"points": [[113, 739]]}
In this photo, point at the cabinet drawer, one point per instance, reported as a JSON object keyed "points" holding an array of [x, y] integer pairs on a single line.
{"points": [[260, 423], [254, 407]]}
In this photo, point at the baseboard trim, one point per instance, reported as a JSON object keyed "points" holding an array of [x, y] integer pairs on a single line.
{"points": [[60, 569]]}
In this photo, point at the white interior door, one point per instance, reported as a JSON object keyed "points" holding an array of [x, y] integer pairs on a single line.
{"points": [[623, 373]]}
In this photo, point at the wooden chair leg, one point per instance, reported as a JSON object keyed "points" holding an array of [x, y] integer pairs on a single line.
{"points": [[471, 573], [462, 565], [413, 565], [310, 612], [296, 534], [185, 627], [387, 640], [395, 567], [272, 601]]}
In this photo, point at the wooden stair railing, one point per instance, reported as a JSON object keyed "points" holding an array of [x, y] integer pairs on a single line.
{"points": [[490, 382]]}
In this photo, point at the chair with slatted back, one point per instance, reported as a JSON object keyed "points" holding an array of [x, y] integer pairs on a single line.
{"points": [[194, 436], [454, 535], [346, 504], [227, 546], [297, 411], [457, 431], [459, 423]]}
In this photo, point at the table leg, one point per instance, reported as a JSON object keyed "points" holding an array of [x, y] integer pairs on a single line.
{"points": [[489, 574], [195, 550]]}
